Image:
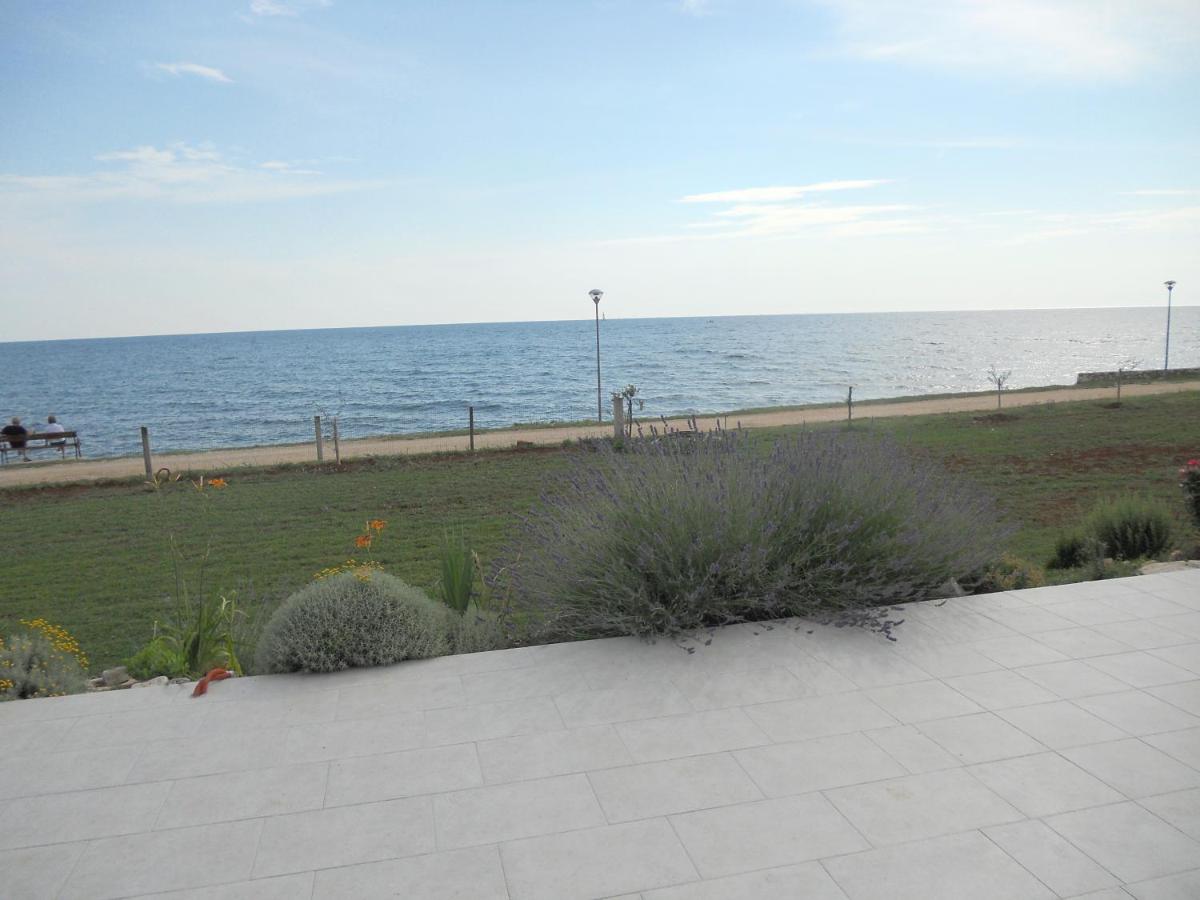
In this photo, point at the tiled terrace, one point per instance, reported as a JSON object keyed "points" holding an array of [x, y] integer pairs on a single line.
{"points": [[1035, 744]]}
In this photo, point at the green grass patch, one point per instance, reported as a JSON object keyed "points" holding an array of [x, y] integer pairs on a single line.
{"points": [[95, 558]]}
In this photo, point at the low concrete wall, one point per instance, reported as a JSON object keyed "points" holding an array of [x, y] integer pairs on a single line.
{"points": [[1099, 379]]}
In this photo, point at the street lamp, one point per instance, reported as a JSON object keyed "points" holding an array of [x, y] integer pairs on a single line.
{"points": [[596, 295], [1167, 356]]}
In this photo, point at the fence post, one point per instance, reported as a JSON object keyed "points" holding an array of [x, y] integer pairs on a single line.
{"points": [[471, 426], [146, 452], [850, 404], [337, 445], [618, 418], [320, 439]]}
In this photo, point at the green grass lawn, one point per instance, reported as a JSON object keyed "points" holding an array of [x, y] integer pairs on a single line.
{"points": [[96, 559]]}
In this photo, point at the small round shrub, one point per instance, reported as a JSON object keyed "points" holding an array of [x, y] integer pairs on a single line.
{"points": [[1010, 573], [1131, 527], [43, 661], [351, 620], [157, 658], [668, 535], [1073, 550]]}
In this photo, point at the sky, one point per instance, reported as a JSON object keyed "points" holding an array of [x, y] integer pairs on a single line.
{"points": [[232, 165]]}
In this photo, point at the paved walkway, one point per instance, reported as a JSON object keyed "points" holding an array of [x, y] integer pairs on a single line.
{"points": [[70, 470], [1035, 744]]}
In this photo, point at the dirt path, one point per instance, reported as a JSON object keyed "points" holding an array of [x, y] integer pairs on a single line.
{"points": [[17, 473]]}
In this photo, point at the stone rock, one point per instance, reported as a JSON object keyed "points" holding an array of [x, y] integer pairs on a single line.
{"points": [[115, 676], [1154, 568], [951, 589], [151, 682], [178, 680]]}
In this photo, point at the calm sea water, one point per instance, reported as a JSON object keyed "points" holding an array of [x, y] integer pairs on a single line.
{"points": [[221, 390]]}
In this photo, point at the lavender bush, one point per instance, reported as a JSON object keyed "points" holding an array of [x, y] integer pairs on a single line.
{"points": [[693, 530]]}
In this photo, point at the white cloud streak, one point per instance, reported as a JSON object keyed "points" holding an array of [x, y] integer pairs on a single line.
{"points": [[1074, 39], [178, 173], [208, 73], [780, 193]]}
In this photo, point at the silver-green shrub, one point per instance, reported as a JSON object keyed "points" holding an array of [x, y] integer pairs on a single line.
{"points": [[31, 666], [477, 630], [677, 533], [1132, 527], [350, 620]]}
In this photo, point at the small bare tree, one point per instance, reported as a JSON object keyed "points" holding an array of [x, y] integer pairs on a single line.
{"points": [[1000, 380], [1128, 364], [629, 395]]}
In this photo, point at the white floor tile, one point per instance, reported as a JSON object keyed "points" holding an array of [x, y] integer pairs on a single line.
{"points": [[1080, 642], [554, 753], [982, 737], [782, 770], [1061, 724], [1138, 712], [921, 806], [797, 720], [1184, 886], [678, 785], [922, 701], [1133, 844], [1044, 784], [244, 795], [502, 812], [474, 874], [1183, 745], [622, 704], [389, 776], [460, 724], [1056, 863], [1181, 809], [164, 860], [1134, 768], [38, 873], [1000, 690], [807, 881], [345, 835], [79, 815], [765, 834], [912, 749], [1140, 670], [1071, 679], [673, 737], [597, 862], [947, 868]]}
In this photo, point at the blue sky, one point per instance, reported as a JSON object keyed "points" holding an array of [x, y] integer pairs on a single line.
{"points": [[180, 167]]}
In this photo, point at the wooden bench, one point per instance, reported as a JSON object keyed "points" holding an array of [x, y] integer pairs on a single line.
{"points": [[58, 440]]}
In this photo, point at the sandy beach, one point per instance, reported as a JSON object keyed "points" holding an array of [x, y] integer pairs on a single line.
{"points": [[222, 461]]}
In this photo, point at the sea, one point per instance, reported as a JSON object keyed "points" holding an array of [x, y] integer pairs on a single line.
{"points": [[197, 391]]}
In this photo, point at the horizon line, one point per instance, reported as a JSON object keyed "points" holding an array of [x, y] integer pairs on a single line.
{"points": [[896, 312]]}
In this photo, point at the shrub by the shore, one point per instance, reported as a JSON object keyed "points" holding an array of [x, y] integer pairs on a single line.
{"points": [[1131, 527], [690, 531], [349, 620]]}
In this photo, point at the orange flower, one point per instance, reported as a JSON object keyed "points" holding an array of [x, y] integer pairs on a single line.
{"points": [[216, 483], [377, 525], [363, 540]]}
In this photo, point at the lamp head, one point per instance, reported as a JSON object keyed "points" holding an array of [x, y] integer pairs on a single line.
{"points": [[1169, 284], [596, 295]]}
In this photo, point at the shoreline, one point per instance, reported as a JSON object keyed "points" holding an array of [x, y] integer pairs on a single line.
{"points": [[56, 472]]}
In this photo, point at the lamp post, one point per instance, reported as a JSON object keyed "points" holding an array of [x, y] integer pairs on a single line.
{"points": [[596, 295], [1170, 285]]}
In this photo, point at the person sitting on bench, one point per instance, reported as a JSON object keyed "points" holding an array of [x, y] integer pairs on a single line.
{"points": [[52, 427], [15, 434]]}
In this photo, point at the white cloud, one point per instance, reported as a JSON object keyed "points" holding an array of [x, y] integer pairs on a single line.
{"points": [[181, 173], [186, 68], [1059, 38], [1163, 192], [779, 193], [270, 8], [695, 7]]}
